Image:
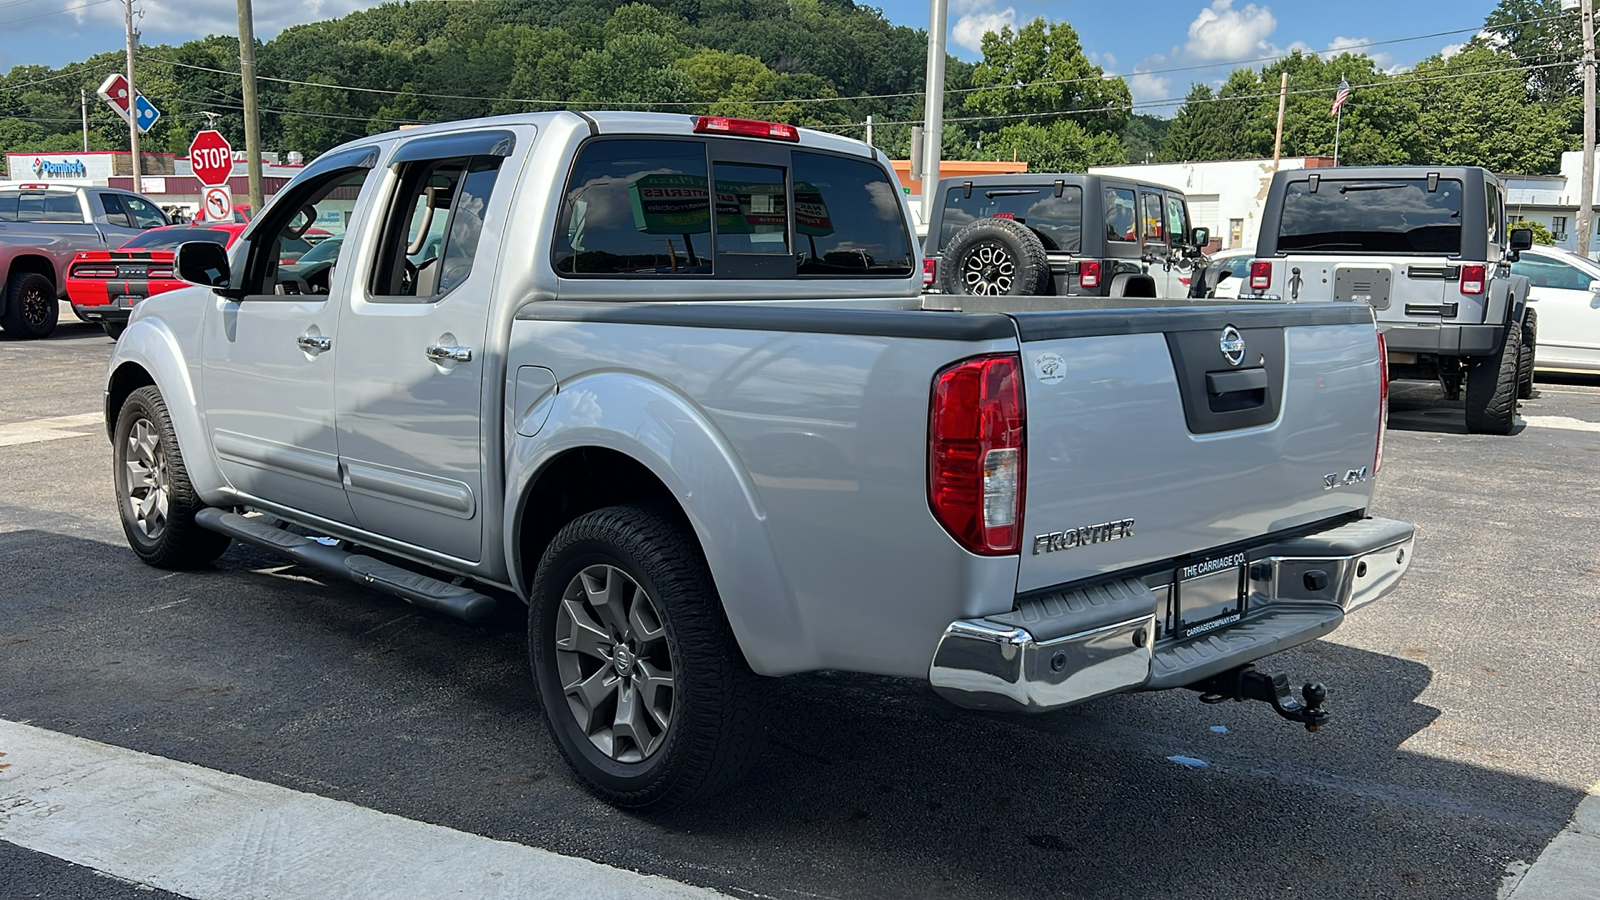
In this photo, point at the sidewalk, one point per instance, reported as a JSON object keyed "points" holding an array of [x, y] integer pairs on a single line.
{"points": [[1569, 868]]}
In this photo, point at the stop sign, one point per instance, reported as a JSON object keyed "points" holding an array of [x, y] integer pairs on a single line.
{"points": [[211, 157]]}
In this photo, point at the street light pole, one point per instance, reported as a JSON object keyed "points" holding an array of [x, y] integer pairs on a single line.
{"points": [[252, 112], [933, 109]]}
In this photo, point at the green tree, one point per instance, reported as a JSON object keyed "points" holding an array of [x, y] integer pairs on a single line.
{"points": [[1474, 112], [1541, 33], [1040, 71], [729, 83], [1541, 234], [1061, 145]]}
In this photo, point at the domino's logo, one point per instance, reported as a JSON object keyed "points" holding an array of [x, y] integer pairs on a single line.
{"points": [[73, 168]]}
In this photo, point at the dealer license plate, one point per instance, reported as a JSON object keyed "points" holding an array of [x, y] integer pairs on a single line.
{"points": [[1210, 594]]}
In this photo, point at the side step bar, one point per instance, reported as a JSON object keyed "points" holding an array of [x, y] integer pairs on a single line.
{"points": [[421, 590]]}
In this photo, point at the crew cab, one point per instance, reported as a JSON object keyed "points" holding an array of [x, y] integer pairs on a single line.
{"points": [[1427, 248], [668, 380], [1060, 234], [43, 226]]}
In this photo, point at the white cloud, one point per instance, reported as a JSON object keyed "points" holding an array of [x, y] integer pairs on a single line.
{"points": [[1449, 50], [978, 18], [1222, 32], [1146, 87], [188, 19]]}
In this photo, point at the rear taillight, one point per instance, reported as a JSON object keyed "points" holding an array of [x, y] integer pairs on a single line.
{"points": [[930, 270], [976, 455], [94, 272], [1089, 273], [1472, 279], [160, 274], [1260, 275], [1383, 401]]}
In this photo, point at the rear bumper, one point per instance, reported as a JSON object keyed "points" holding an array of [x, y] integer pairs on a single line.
{"points": [[1443, 340], [1091, 641], [102, 312]]}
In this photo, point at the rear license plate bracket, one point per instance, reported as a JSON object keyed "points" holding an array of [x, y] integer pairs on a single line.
{"points": [[1209, 594]]}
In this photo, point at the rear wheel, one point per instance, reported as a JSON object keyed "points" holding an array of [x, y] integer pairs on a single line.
{"points": [[114, 330], [1530, 341], [1492, 386], [31, 307], [155, 499], [642, 684]]}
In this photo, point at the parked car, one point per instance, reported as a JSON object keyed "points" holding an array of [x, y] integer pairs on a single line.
{"points": [[43, 226], [104, 285], [1237, 264], [1564, 292], [1059, 234], [710, 436], [1426, 248]]}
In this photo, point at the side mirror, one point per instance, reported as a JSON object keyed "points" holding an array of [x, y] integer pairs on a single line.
{"points": [[1521, 239], [1594, 286], [1200, 237], [203, 263]]}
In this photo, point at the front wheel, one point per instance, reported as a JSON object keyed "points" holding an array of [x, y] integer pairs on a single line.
{"points": [[1525, 362], [643, 685], [155, 499]]}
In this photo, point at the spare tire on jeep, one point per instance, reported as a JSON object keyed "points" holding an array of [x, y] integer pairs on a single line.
{"points": [[993, 257]]}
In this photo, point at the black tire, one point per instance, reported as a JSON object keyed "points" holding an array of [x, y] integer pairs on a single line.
{"points": [[31, 306], [994, 257], [114, 330], [1530, 342], [711, 734], [1491, 395], [147, 458]]}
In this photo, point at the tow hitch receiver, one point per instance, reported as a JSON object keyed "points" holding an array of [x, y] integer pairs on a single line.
{"points": [[1245, 683]]}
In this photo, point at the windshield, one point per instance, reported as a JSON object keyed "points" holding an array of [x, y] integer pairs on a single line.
{"points": [[1399, 216], [169, 240], [1057, 220]]}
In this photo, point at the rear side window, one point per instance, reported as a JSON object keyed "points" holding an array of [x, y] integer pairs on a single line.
{"points": [[636, 207], [1349, 216], [1152, 218], [144, 214], [847, 218], [1058, 221], [434, 224], [40, 206], [1496, 226], [116, 215], [1121, 222]]}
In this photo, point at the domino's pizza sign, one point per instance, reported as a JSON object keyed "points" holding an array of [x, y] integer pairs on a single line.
{"points": [[59, 168]]}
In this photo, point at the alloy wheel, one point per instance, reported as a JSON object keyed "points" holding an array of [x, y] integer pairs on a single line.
{"points": [[988, 270], [146, 478], [35, 307], [614, 663]]}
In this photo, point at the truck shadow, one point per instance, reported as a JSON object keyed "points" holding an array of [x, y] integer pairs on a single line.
{"points": [[870, 787], [1421, 406]]}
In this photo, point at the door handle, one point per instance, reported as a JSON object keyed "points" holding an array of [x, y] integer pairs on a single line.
{"points": [[314, 343], [439, 353]]}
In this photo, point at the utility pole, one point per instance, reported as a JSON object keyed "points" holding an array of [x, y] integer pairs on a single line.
{"points": [[83, 106], [133, 96], [1283, 99], [933, 108], [1586, 199], [252, 113]]}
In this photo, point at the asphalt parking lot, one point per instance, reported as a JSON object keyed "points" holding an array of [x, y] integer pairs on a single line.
{"points": [[1466, 728]]}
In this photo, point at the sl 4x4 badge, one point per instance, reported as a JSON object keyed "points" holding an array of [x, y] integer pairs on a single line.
{"points": [[1353, 476]]}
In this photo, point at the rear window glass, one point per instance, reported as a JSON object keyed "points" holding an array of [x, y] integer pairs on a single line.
{"points": [[168, 240], [847, 218], [1347, 216], [40, 206], [1058, 221], [636, 207]]}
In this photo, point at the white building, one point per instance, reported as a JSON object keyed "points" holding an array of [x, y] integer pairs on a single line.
{"points": [[1226, 196], [1552, 200]]}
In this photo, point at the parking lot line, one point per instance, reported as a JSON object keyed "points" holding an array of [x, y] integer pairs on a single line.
{"points": [[1564, 422], [1569, 868], [207, 834], [31, 431]]}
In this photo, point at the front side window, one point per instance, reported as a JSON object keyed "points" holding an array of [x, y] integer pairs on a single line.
{"points": [[1543, 272], [1177, 219], [1362, 216], [636, 207], [1121, 222], [1057, 220], [278, 239], [848, 219]]}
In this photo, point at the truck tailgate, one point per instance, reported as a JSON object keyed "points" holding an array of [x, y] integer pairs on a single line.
{"points": [[1146, 441]]}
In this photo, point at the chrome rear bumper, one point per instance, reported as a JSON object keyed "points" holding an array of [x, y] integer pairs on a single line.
{"points": [[1074, 645]]}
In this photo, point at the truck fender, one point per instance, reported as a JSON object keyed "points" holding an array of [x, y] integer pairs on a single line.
{"points": [[670, 436], [149, 345]]}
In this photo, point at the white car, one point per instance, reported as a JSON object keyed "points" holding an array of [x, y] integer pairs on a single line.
{"points": [[1237, 263], [1566, 293]]}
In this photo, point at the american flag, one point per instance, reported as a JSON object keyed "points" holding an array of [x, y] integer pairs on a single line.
{"points": [[1341, 97]]}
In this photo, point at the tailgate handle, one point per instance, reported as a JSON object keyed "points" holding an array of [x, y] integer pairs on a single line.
{"points": [[1239, 380]]}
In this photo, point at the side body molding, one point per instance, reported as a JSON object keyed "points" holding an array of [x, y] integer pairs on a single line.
{"points": [[664, 432], [152, 343]]}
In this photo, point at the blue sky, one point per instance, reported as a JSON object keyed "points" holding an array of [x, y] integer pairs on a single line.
{"points": [[1200, 38]]}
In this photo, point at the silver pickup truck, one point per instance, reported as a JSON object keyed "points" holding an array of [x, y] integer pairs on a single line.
{"points": [[42, 227], [667, 380]]}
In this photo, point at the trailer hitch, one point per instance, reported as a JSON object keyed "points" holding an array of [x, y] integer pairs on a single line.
{"points": [[1245, 683]]}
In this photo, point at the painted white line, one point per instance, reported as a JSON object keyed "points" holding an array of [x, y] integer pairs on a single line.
{"points": [[1569, 868], [213, 836], [51, 429], [1565, 422]]}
